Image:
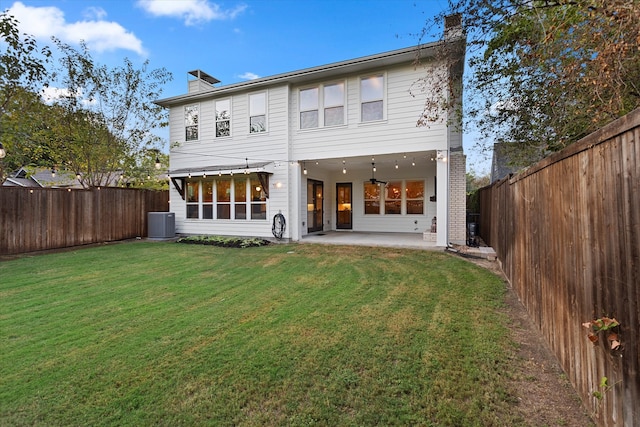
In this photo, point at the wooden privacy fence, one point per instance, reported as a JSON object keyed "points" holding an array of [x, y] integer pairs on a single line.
{"points": [[567, 232], [33, 219]]}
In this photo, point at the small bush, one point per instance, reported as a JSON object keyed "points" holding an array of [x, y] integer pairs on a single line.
{"points": [[226, 242]]}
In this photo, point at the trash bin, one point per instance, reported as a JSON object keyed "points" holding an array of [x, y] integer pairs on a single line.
{"points": [[161, 225]]}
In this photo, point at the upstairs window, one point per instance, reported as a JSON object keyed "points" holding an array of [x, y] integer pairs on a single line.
{"points": [[309, 108], [191, 122], [223, 118], [372, 98], [334, 104], [257, 112]]}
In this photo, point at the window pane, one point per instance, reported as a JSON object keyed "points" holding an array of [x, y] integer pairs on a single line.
{"points": [[223, 189], [207, 211], [257, 104], [415, 207], [224, 211], [207, 191], [191, 115], [191, 122], [240, 191], [223, 118], [258, 124], [258, 211], [257, 192], [371, 89], [334, 95], [192, 211], [192, 191], [393, 191], [371, 198], [415, 189], [371, 111], [223, 128], [393, 198], [309, 99], [309, 119], [241, 211], [392, 207], [333, 116], [371, 191], [223, 110], [191, 133], [371, 207]]}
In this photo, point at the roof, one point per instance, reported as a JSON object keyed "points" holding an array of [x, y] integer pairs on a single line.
{"points": [[222, 169], [379, 60]]}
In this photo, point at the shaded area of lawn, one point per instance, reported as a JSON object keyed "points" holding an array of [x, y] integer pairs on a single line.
{"points": [[168, 334]]}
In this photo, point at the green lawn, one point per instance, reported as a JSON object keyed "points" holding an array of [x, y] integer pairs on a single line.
{"points": [[168, 334]]}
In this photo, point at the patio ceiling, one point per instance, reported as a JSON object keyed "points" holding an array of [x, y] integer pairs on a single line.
{"points": [[420, 160]]}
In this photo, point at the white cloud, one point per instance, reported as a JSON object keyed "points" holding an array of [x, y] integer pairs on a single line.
{"points": [[98, 34], [193, 12], [249, 76], [94, 12]]}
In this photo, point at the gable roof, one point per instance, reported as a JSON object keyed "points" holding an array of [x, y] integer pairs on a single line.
{"points": [[385, 59]]}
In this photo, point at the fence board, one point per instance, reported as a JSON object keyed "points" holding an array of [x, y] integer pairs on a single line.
{"points": [[567, 235], [43, 218]]}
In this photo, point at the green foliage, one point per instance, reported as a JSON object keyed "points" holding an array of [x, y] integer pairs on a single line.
{"points": [[159, 333], [108, 113], [22, 70], [546, 73], [225, 241], [101, 126]]}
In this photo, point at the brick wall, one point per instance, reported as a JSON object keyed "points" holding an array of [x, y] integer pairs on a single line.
{"points": [[457, 197]]}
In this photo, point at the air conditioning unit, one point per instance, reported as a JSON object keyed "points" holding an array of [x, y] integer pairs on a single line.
{"points": [[161, 225]]}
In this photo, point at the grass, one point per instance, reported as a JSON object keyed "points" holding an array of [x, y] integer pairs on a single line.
{"points": [[165, 334]]}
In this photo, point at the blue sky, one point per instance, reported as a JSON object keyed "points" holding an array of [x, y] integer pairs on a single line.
{"points": [[233, 40]]}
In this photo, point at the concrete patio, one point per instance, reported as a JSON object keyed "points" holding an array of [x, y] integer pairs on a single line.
{"points": [[391, 240]]}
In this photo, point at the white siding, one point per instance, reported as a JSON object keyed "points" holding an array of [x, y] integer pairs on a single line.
{"points": [[284, 144], [397, 133]]}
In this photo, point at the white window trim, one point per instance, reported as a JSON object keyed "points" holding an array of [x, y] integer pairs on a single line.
{"points": [[403, 199], [266, 111], [245, 181], [184, 124], [321, 105], [384, 97], [215, 112]]}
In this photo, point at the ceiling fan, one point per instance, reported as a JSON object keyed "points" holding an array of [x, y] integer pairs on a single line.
{"points": [[373, 179]]}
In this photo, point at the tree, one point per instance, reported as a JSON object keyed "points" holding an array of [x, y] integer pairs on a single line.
{"points": [[108, 115], [545, 73], [23, 68]]}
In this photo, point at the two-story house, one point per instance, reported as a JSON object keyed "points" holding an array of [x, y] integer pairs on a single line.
{"points": [[333, 147]]}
